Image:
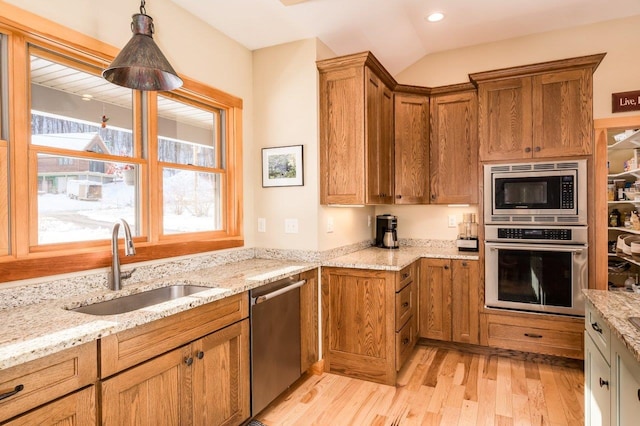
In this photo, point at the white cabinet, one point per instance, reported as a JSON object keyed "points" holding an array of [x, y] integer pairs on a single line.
{"points": [[625, 385], [597, 393]]}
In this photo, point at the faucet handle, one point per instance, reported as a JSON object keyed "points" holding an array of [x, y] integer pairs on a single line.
{"points": [[127, 274]]}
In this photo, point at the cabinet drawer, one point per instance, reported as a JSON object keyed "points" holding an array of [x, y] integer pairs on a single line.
{"points": [[131, 347], [79, 409], [557, 337], [45, 379], [405, 276], [405, 305], [405, 341], [598, 330]]}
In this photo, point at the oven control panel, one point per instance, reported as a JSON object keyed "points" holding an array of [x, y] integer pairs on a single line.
{"points": [[553, 234]]}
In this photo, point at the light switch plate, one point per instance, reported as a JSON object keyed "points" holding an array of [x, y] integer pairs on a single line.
{"points": [[329, 224], [452, 221], [262, 224], [291, 226]]}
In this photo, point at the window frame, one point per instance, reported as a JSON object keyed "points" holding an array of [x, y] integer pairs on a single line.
{"points": [[28, 260]]}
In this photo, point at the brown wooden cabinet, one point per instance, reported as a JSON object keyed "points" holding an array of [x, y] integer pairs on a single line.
{"points": [[411, 124], [361, 336], [189, 368], [34, 383], [356, 131], [536, 111], [309, 351], [454, 145], [448, 300]]}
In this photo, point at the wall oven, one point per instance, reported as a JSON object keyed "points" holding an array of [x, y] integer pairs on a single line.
{"points": [[543, 192], [536, 268]]}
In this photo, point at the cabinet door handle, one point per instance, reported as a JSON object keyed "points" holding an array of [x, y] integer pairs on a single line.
{"points": [[9, 394], [533, 335], [596, 327], [465, 264], [446, 266], [188, 361], [405, 276], [606, 383], [537, 149], [405, 341], [200, 355], [527, 149], [398, 196], [405, 304]]}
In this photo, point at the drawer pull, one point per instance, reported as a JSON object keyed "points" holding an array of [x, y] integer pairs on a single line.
{"points": [[533, 335], [200, 355], [405, 276], [606, 383], [405, 305], [11, 393], [405, 341], [596, 327], [188, 361], [446, 266]]}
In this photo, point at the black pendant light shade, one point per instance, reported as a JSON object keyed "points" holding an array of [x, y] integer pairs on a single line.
{"points": [[140, 65]]}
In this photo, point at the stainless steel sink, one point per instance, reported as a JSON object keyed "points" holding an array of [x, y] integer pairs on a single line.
{"points": [[140, 300]]}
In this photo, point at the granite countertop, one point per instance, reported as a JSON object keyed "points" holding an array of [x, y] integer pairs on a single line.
{"points": [[616, 307], [36, 325], [33, 331], [395, 260]]}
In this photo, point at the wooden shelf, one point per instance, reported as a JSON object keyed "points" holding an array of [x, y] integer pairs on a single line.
{"points": [[626, 258]]}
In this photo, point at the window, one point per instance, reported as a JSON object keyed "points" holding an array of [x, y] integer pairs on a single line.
{"points": [[85, 153]]}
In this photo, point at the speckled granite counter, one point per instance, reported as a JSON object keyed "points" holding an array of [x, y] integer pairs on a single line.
{"points": [[394, 260], [33, 331], [616, 307]]}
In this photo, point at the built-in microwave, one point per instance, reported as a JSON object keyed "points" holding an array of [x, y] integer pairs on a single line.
{"points": [[542, 193]]}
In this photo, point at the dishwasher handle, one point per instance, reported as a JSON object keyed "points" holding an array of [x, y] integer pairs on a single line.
{"points": [[278, 292]]}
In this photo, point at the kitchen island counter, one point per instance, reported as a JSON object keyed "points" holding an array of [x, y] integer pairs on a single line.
{"points": [[616, 307]]}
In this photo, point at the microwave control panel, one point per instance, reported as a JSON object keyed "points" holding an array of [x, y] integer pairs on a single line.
{"points": [[560, 234], [567, 192]]}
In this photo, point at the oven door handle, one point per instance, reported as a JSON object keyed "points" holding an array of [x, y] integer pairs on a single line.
{"points": [[538, 247]]}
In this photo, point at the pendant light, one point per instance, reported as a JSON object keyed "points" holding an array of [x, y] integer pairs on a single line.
{"points": [[140, 65]]}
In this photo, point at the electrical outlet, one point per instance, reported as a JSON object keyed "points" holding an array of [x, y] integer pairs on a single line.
{"points": [[262, 224], [329, 225], [452, 221], [291, 226]]}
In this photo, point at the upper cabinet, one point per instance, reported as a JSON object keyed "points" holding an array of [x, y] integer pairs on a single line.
{"points": [[454, 145], [411, 116], [356, 131], [536, 111]]}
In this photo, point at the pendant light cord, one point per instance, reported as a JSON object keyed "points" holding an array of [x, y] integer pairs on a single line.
{"points": [[142, 9]]}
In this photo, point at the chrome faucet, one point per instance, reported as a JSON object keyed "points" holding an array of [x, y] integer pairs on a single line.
{"points": [[129, 250]]}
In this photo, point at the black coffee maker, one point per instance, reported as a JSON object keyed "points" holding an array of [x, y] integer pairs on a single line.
{"points": [[387, 231]]}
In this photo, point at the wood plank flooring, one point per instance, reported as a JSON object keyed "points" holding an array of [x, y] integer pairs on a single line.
{"points": [[440, 387]]}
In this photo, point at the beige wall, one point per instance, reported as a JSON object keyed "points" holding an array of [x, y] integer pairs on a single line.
{"points": [[618, 72]]}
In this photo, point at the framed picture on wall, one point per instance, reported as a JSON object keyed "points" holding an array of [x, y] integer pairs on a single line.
{"points": [[282, 166]]}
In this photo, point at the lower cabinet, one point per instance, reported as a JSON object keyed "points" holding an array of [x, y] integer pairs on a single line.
{"points": [[191, 368], [203, 383], [77, 409], [625, 386], [368, 321], [597, 385], [448, 300]]}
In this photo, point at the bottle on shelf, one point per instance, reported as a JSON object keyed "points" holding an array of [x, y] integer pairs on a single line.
{"points": [[614, 218]]}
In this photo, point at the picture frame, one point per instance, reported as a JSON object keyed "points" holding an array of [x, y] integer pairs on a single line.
{"points": [[282, 166]]}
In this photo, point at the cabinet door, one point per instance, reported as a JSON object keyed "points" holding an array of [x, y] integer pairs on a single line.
{"points": [[411, 149], [454, 148], [342, 136], [359, 323], [626, 386], [562, 113], [597, 381], [464, 306], [220, 382], [435, 299], [153, 393], [379, 140], [77, 409], [309, 352], [504, 119]]}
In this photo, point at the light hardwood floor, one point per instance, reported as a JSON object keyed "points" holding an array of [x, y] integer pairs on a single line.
{"points": [[440, 387]]}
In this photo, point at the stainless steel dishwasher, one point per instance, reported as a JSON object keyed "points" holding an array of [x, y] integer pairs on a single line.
{"points": [[275, 340]]}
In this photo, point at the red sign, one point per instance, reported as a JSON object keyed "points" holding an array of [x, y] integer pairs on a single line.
{"points": [[625, 101]]}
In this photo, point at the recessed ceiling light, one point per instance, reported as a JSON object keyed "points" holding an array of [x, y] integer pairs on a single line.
{"points": [[87, 97], [435, 17]]}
